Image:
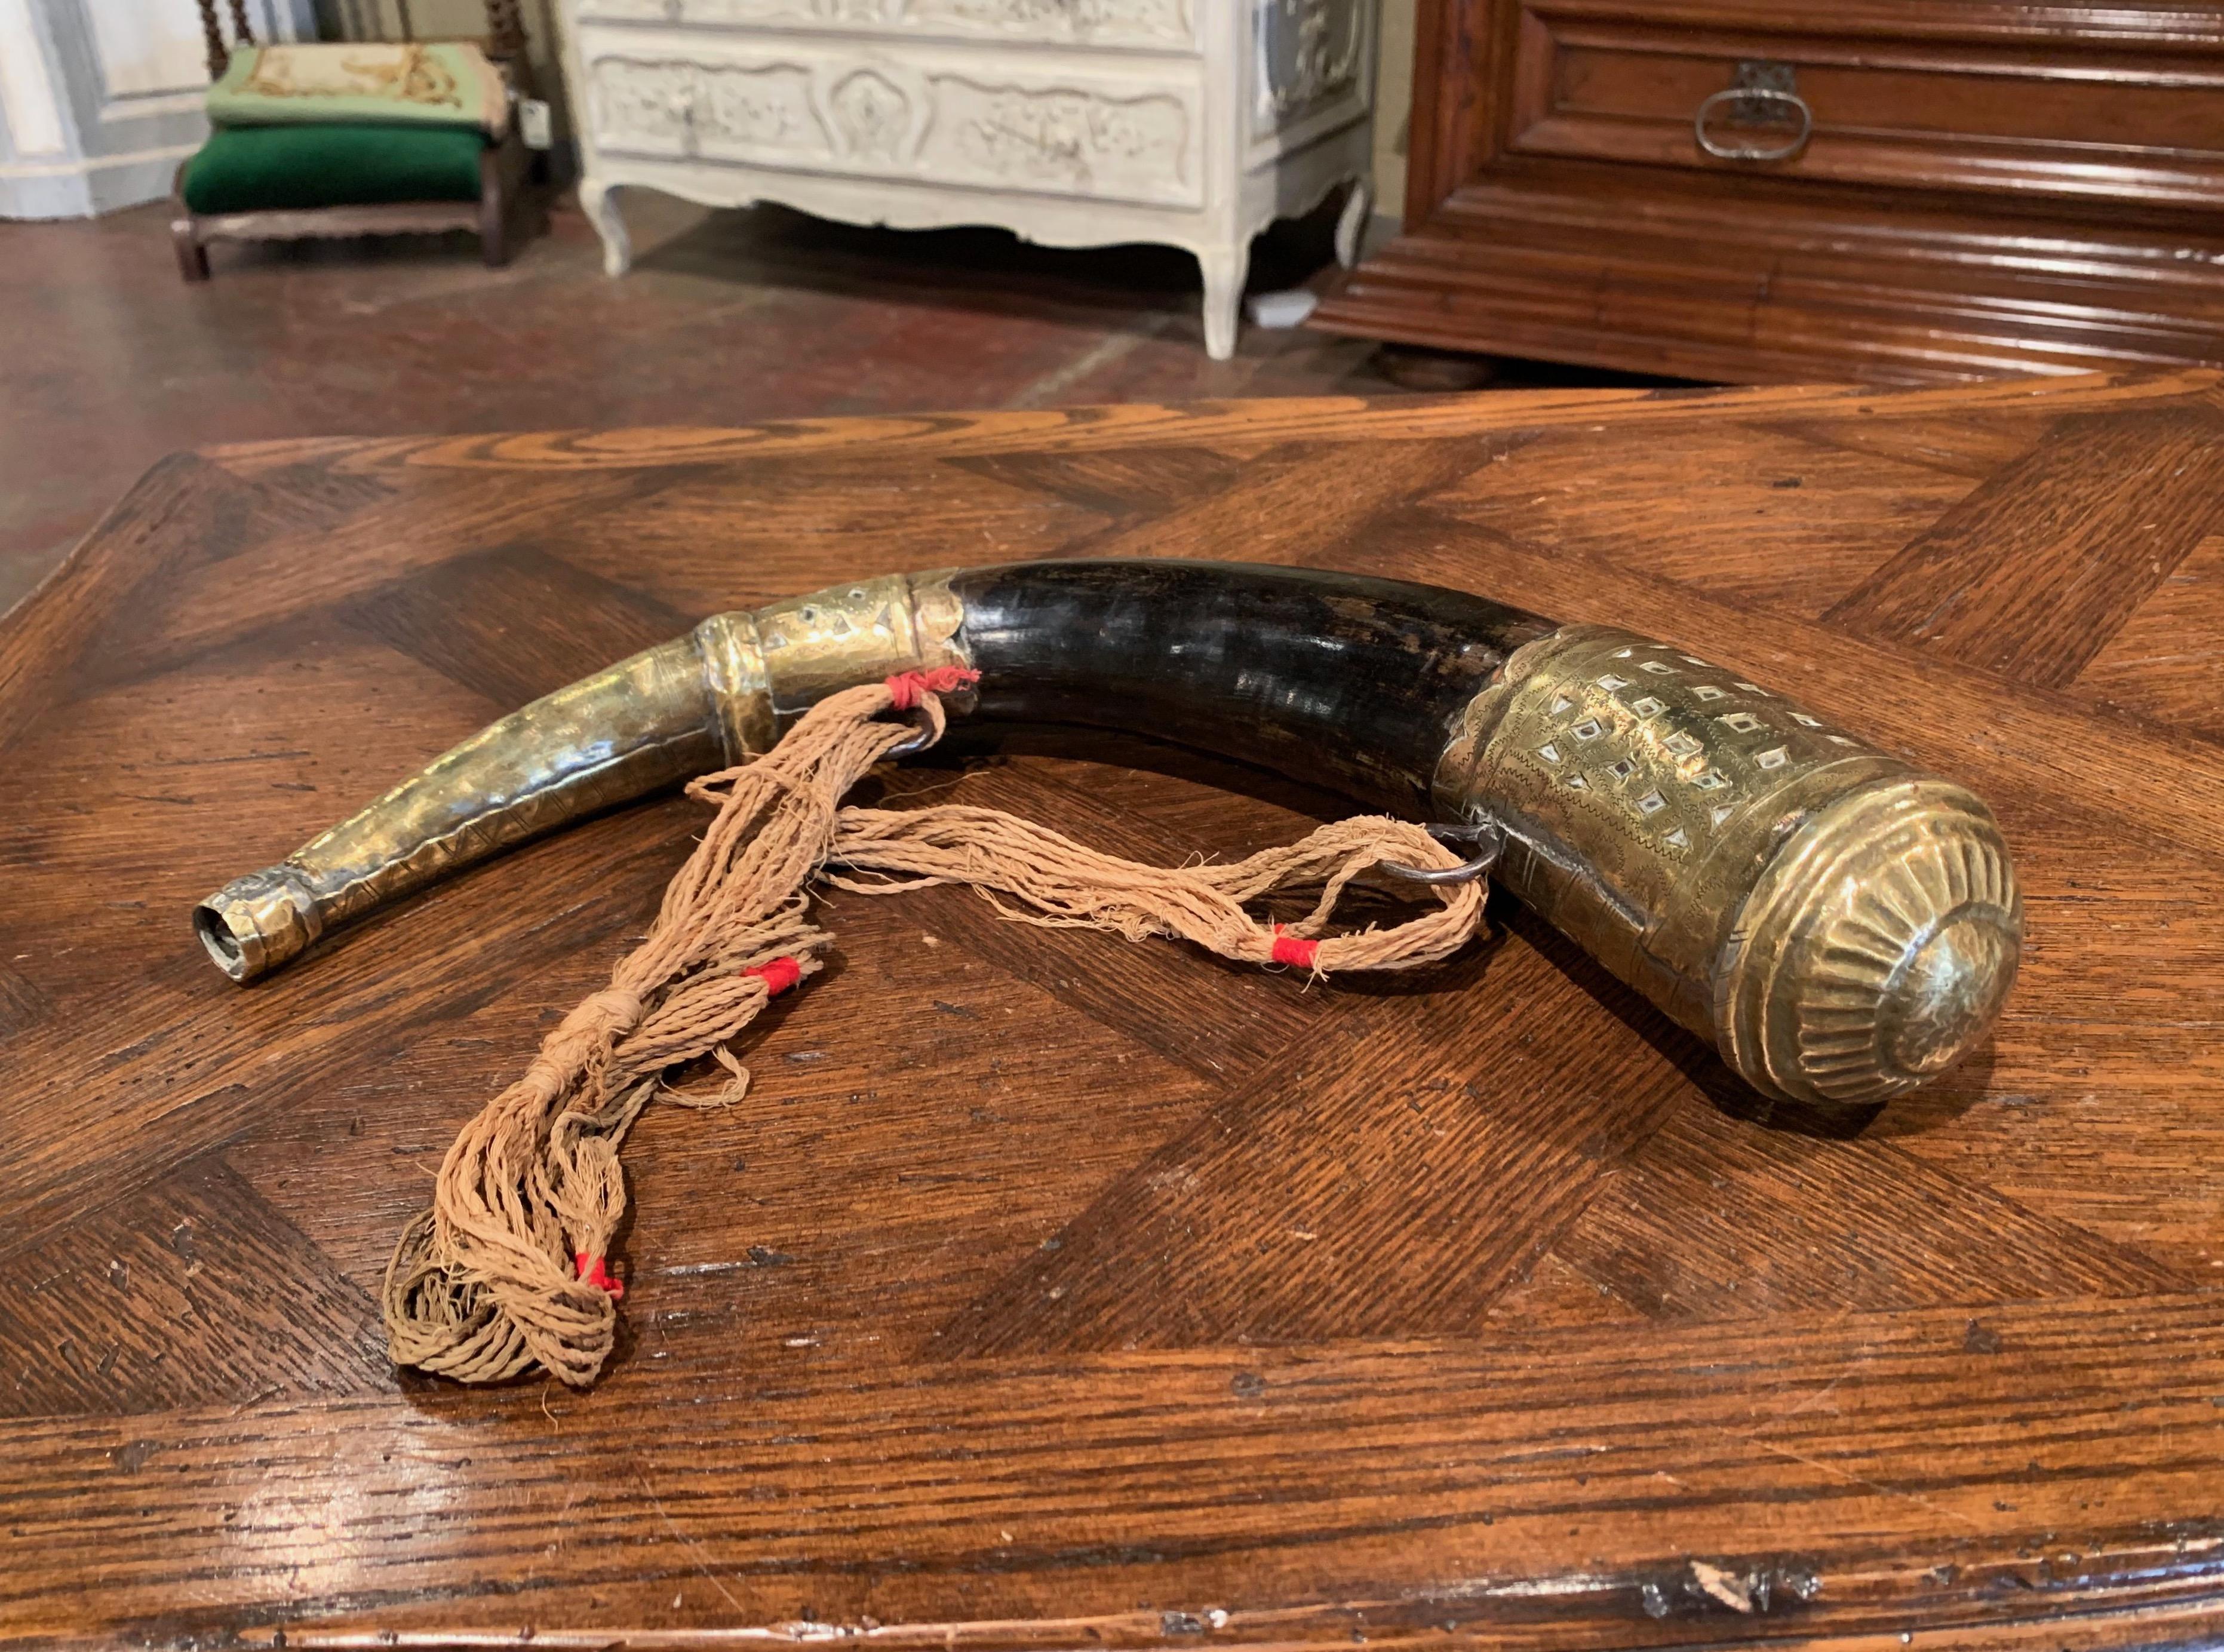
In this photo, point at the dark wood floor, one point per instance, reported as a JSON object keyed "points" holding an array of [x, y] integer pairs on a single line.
{"points": [[108, 362]]}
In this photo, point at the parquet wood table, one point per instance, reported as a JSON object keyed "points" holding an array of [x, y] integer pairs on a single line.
{"points": [[1049, 1291]]}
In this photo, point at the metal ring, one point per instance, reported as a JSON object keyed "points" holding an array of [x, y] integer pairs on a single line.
{"points": [[1749, 96], [1487, 835], [918, 742]]}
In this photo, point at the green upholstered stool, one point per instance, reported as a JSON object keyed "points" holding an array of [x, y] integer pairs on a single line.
{"points": [[344, 140], [282, 183]]}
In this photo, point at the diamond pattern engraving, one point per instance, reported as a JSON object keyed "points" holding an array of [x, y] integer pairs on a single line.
{"points": [[1689, 766]]}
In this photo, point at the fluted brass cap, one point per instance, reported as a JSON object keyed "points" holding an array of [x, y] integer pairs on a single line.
{"points": [[255, 923], [1841, 924], [1876, 950]]}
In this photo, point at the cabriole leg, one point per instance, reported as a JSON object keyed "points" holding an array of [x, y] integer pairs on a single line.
{"points": [[599, 201], [1225, 270], [1351, 227]]}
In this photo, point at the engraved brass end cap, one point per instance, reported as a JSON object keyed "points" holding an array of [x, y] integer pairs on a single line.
{"points": [[255, 923], [1876, 950]]}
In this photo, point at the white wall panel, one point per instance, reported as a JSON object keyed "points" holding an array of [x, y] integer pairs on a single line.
{"points": [[35, 116], [102, 98], [147, 47]]}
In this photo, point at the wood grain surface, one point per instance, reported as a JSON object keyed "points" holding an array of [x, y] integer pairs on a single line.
{"points": [[1047, 1291]]}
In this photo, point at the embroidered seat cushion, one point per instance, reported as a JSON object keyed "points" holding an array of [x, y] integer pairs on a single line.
{"points": [[448, 83]]}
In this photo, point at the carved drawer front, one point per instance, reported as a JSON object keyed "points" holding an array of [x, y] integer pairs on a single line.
{"points": [[1935, 103], [942, 117], [1313, 58], [1158, 25]]}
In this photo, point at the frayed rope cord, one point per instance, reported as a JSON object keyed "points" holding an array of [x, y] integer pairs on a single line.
{"points": [[508, 1271]]}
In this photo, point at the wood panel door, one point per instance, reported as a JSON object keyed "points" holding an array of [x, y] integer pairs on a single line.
{"points": [[1731, 189]]}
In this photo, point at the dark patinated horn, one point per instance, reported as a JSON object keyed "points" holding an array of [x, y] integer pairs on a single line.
{"points": [[1839, 924]]}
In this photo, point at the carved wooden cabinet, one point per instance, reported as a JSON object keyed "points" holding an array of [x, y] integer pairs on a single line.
{"points": [[1078, 123], [1755, 190]]}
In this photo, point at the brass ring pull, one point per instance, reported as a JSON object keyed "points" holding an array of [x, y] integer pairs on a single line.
{"points": [[1747, 99]]}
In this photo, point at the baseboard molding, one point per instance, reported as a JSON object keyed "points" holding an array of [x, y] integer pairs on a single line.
{"points": [[38, 192], [85, 188]]}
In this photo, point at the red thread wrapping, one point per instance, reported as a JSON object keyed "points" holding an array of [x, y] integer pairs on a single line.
{"points": [[592, 1272], [777, 974], [906, 686], [1293, 949]]}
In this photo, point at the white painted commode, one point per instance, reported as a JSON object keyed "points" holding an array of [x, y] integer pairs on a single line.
{"points": [[1077, 123]]}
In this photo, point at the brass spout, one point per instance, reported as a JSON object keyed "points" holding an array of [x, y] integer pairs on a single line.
{"points": [[717, 696]]}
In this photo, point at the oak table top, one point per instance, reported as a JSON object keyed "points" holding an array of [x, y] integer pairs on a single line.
{"points": [[1051, 1291]]}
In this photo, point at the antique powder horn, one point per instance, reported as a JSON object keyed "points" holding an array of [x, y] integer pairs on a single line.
{"points": [[1839, 924]]}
